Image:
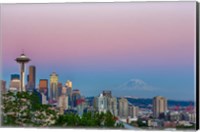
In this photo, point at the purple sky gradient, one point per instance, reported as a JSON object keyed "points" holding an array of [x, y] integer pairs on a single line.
{"points": [[102, 37]]}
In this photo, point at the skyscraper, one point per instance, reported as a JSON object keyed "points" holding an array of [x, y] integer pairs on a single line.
{"points": [[43, 86], [102, 103], [53, 87], [68, 89], [159, 106], [105, 102], [22, 59], [31, 78], [123, 108]]}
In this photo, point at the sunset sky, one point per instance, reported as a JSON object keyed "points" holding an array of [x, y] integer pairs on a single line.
{"points": [[134, 49]]}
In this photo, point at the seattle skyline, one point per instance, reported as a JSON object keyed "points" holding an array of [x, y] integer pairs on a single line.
{"points": [[132, 54]]}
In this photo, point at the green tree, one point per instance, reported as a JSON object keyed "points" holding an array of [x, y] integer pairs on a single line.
{"points": [[24, 109], [109, 120]]}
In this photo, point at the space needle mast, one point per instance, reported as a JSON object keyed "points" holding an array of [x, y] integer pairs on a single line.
{"points": [[22, 60]]}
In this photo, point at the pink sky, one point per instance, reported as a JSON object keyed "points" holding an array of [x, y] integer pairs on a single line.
{"points": [[154, 41], [100, 32]]}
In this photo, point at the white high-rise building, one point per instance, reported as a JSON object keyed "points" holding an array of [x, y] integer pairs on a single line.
{"points": [[105, 102], [102, 103]]}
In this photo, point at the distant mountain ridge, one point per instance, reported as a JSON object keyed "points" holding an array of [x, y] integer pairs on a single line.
{"points": [[147, 101], [144, 102]]}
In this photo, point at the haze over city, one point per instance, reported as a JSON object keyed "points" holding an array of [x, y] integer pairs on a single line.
{"points": [[131, 49]]}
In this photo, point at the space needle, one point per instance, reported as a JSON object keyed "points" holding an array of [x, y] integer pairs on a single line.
{"points": [[22, 59]]}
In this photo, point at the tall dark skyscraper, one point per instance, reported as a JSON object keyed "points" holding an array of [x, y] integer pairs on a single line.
{"points": [[31, 78]]}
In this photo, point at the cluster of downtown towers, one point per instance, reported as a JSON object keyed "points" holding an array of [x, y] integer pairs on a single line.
{"points": [[65, 98]]}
